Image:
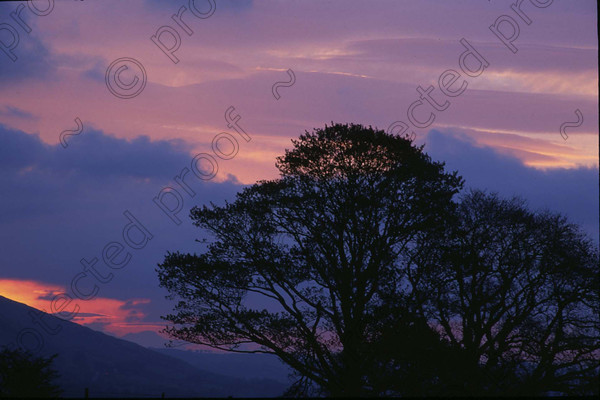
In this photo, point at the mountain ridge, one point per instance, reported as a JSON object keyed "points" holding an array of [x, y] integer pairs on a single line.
{"points": [[113, 367]]}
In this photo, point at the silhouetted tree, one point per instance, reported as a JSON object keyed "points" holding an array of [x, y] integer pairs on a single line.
{"points": [[518, 291], [358, 270], [301, 266], [23, 375]]}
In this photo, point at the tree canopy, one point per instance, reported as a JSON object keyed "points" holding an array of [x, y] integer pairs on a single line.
{"points": [[518, 291], [357, 268]]}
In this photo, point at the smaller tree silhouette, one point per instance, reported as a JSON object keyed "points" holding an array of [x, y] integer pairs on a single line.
{"points": [[23, 375], [516, 290]]}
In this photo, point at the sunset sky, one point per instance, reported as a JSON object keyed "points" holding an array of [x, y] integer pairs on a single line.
{"points": [[352, 61]]}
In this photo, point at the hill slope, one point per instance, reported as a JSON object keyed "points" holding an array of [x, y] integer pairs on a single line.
{"points": [[243, 366], [112, 367]]}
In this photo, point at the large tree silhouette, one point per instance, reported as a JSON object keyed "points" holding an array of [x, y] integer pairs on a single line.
{"points": [[357, 269], [321, 247]]}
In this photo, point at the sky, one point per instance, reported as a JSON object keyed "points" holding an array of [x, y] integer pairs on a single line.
{"points": [[117, 117]]}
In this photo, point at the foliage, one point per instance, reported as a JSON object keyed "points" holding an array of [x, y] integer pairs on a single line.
{"points": [[517, 290], [358, 270], [23, 375]]}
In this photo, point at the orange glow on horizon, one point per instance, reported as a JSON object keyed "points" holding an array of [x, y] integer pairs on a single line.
{"points": [[118, 317], [32, 293]]}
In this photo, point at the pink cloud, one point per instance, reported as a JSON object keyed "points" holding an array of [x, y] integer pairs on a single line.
{"points": [[118, 317]]}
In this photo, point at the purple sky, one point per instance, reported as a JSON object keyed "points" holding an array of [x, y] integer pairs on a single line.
{"points": [[353, 61]]}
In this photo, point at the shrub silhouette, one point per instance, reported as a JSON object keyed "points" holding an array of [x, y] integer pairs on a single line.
{"points": [[23, 375]]}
